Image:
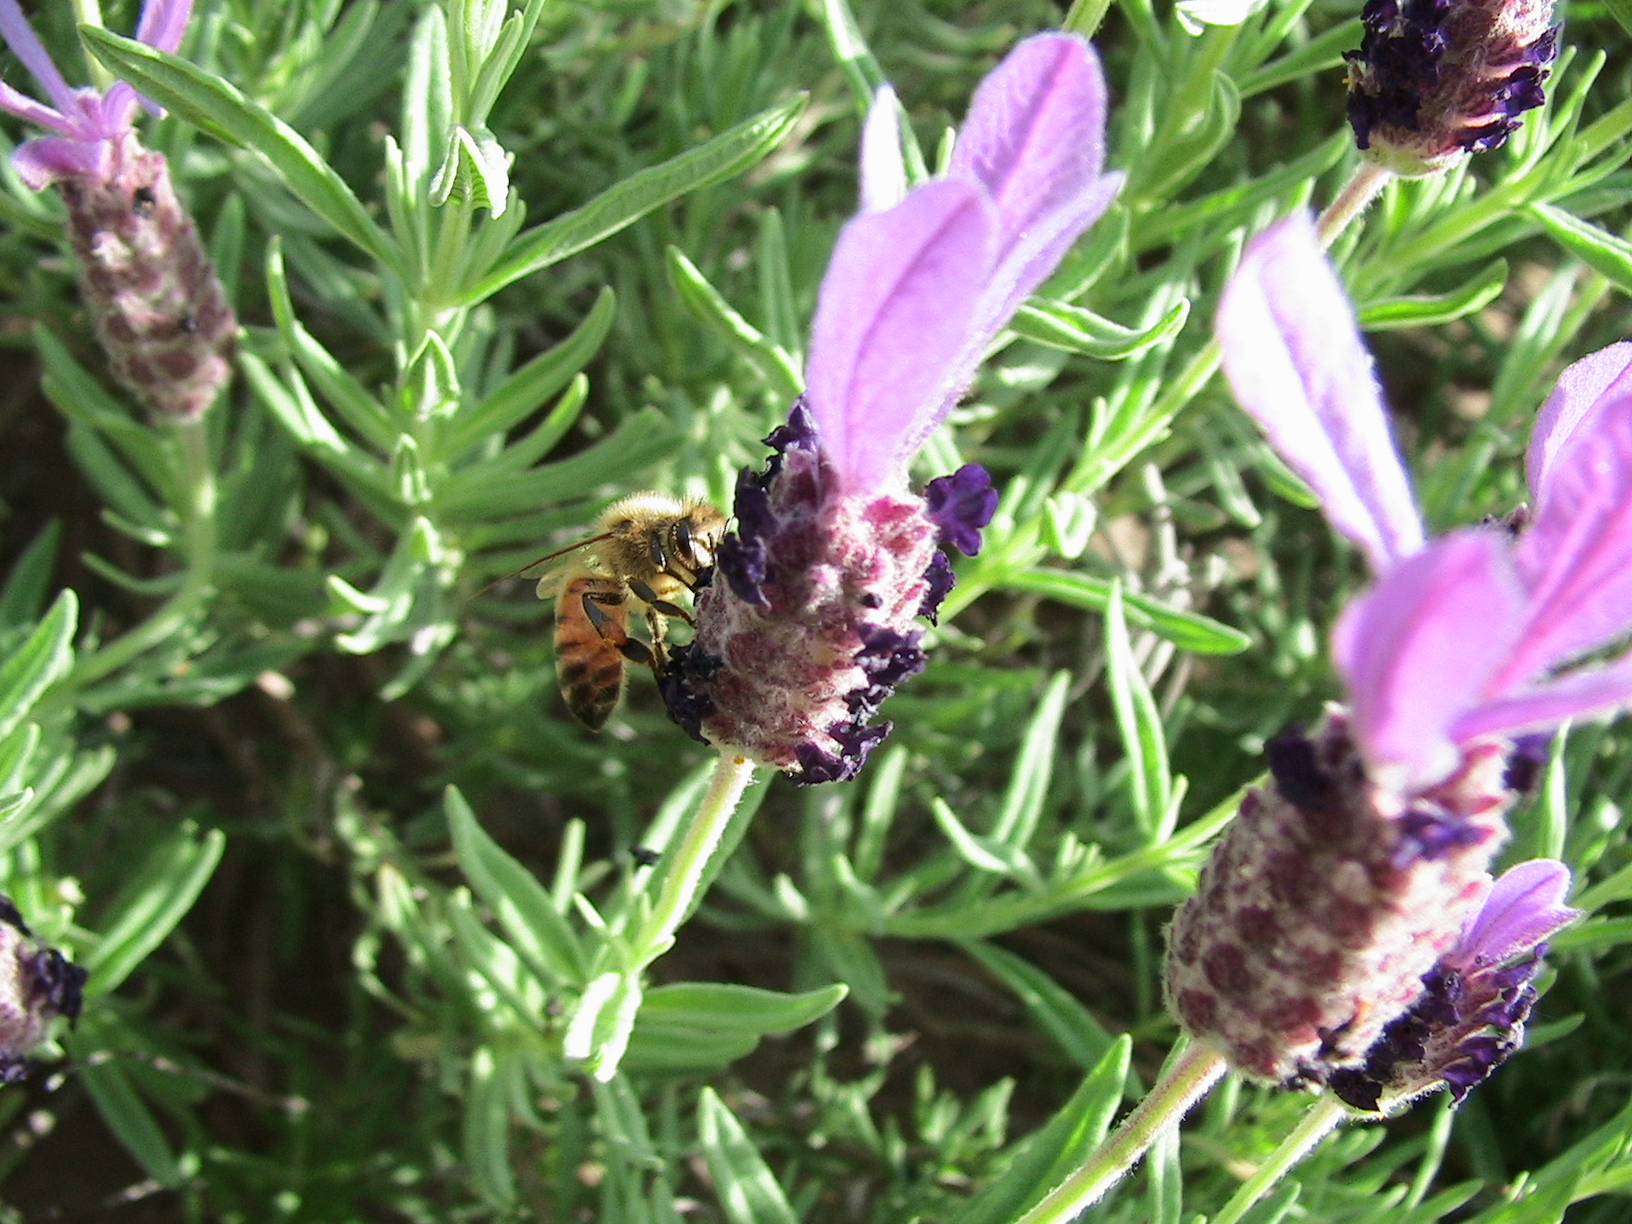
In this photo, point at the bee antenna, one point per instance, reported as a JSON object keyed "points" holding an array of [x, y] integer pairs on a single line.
{"points": [[551, 556]]}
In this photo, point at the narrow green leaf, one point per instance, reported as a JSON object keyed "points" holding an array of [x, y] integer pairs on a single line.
{"points": [[1188, 630], [1044, 1159], [521, 394], [214, 106], [1076, 330], [1143, 743], [1082, 1038], [1033, 767], [725, 156], [721, 1007], [743, 1182], [129, 1118], [775, 365], [39, 662], [1433, 309], [536, 929], [1600, 250], [487, 1129], [148, 909], [30, 577]]}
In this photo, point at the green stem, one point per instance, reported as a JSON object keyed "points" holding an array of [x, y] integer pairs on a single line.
{"points": [[1186, 1081], [690, 859], [199, 549], [1323, 1117], [1367, 183], [1085, 16]]}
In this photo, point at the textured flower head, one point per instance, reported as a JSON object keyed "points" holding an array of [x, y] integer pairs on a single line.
{"points": [[36, 986], [159, 310], [88, 126], [1460, 639], [1475, 1000], [834, 558], [1437, 80], [1340, 884]]}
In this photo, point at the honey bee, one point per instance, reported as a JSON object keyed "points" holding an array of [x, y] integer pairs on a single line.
{"points": [[647, 548]]}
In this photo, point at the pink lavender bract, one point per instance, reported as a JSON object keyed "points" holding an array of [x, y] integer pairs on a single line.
{"points": [[158, 308], [1342, 883], [812, 618]]}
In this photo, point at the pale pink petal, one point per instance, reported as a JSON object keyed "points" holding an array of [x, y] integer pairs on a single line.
{"points": [[1417, 650], [163, 23], [1583, 389], [1592, 693], [25, 44], [1295, 360], [895, 308], [1575, 556], [1524, 907], [883, 173]]}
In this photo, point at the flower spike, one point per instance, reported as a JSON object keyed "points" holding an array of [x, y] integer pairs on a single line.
{"points": [[159, 310], [812, 619]]}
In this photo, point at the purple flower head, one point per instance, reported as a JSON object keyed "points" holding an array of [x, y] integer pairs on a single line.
{"points": [[1436, 80], [1475, 1000], [1459, 639], [158, 307], [834, 558], [36, 986], [90, 127]]}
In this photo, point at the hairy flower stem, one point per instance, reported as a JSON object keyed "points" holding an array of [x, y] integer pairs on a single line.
{"points": [[1323, 1117], [1367, 183], [1187, 1079], [690, 858], [199, 551]]}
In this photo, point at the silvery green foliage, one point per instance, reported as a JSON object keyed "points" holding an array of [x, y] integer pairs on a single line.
{"points": [[499, 264]]}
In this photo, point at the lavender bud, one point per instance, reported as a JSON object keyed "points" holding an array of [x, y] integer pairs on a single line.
{"points": [[1435, 80], [1325, 903], [159, 310], [36, 986]]}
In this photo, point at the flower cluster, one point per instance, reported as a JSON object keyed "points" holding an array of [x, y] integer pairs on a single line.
{"points": [[1436, 80], [36, 986], [159, 310], [834, 559], [1343, 883]]}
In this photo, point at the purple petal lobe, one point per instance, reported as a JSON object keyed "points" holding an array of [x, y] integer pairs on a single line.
{"points": [[1582, 391], [163, 23], [1295, 360], [1524, 907], [1035, 134], [1418, 649], [25, 44], [895, 308], [38, 113], [1584, 695], [45, 160], [883, 173], [960, 505], [1576, 555]]}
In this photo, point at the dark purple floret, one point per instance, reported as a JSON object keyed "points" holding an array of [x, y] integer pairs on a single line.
{"points": [[1299, 776], [939, 579], [960, 505], [1429, 834], [683, 683], [1525, 762], [1436, 79], [56, 984]]}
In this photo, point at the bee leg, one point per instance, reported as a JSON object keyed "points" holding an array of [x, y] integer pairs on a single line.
{"points": [[650, 599], [630, 648]]}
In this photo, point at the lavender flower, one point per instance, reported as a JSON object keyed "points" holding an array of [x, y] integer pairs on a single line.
{"points": [[1341, 884], [834, 558], [159, 310], [1475, 1000], [1437, 80], [36, 986]]}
